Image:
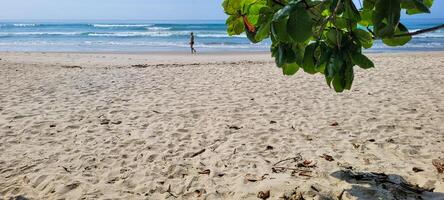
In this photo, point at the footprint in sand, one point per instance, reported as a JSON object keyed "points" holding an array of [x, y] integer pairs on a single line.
{"points": [[67, 188], [39, 180]]}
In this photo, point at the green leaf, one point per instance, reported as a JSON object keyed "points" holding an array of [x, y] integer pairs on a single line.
{"points": [[235, 25], [298, 52], [333, 4], [231, 7], [349, 76], [328, 80], [290, 69], [332, 68], [283, 54], [316, 9], [285, 58], [299, 25], [264, 23], [254, 13], [416, 6], [252, 36], [263, 31], [343, 74], [339, 82], [366, 18], [341, 23], [369, 4], [364, 37], [351, 12], [280, 56], [279, 30], [308, 63], [361, 60], [245, 6], [420, 5], [334, 37], [428, 3], [386, 17], [398, 41], [323, 55], [285, 11]]}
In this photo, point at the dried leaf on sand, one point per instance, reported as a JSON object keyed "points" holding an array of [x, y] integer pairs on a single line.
{"points": [[439, 165], [328, 157], [263, 195]]}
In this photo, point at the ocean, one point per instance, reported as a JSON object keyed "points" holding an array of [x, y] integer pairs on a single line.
{"points": [[160, 36]]}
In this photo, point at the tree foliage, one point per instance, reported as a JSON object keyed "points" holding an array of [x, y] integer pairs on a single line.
{"points": [[322, 36]]}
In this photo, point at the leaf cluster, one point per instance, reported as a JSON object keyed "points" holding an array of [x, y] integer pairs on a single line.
{"points": [[322, 36]]}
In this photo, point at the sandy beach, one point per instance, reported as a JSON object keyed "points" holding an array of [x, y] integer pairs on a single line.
{"points": [[217, 126]]}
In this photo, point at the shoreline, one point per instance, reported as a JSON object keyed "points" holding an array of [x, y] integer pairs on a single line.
{"points": [[99, 59], [225, 52]]}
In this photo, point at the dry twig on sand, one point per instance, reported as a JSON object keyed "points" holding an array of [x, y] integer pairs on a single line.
{"points": [[170, 193], [297, 158], [327, 157], [198, 153]]}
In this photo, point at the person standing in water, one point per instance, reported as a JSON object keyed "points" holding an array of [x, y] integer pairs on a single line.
{"points": [[193, 50]]}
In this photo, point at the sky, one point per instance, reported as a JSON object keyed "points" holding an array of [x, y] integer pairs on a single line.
{"points": [[130, 10]]}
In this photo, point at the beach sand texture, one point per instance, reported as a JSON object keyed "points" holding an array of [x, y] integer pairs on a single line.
{"points": [[94, 126]]}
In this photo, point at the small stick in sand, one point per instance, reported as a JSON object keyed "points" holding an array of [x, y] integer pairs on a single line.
{"points": [[66, 169], [295, 159], [314, 188], [169, 192], [197, 153], [340, 195], [234, 127]]}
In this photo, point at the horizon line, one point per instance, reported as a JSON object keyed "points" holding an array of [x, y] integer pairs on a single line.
{"points": [[116, 19], [155, 19]]}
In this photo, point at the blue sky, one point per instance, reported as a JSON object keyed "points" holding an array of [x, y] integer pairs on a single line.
{"points": [[129, 10]]}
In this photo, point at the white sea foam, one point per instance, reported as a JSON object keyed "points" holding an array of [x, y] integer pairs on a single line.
{"points": [[430, 35], [110, 36], [132, 34], [158, 28], [39, 33], [36, 43], [24, 25], [120, 25], [160, 33], [176, 44], [142, 43], [434, 34], [105, 44], [220, 36], [164, 33]]}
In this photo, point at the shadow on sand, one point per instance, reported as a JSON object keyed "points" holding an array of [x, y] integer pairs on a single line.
{"points": [[19, 198], [369, 185]]}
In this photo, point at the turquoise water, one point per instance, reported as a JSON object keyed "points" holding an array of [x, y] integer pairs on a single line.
{"points": [[146, 36]]}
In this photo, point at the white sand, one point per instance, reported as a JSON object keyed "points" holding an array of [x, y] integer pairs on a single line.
{"points": [[111, 131]]}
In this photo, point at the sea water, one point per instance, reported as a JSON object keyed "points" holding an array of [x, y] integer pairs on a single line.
{"points": [[160, 36]]}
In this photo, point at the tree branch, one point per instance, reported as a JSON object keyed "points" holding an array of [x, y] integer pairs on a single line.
{"points": [[332, 16], [278, 2], [370, 30], [306, 4], [421, 31]]}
